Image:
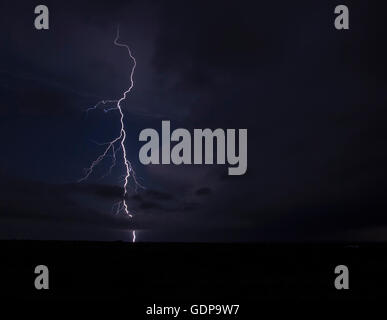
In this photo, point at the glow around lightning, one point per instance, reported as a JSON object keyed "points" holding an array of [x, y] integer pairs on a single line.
{"points": [[118, 143]]}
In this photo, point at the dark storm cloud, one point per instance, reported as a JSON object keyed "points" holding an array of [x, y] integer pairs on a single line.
{"points": [[103, 191], [366, 53], [158, 195], [203, 191], [34, 201], [70, 204], [231, 38], [35, 97]]}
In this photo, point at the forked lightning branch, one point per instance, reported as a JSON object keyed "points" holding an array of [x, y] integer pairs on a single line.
{"points": [[176, 148], [117, 144]]}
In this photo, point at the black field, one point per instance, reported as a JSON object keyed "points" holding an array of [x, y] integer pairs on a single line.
{"points": [[146, 273]]}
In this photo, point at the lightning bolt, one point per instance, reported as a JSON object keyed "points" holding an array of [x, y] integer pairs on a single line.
{"points": [[118, 143]]}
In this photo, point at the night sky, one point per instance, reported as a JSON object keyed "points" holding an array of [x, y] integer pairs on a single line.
{"points": [[312, 98]]}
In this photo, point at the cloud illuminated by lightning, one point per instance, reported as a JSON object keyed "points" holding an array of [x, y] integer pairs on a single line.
{"points": [[118, 143]]}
